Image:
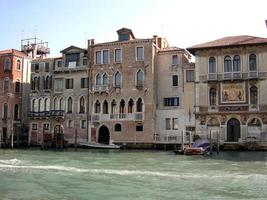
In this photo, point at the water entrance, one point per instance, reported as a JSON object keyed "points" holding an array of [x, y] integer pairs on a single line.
{"points": [[233, 130], [103, 135]]}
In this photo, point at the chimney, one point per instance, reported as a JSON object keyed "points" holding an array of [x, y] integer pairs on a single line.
{"points": [[92, 41]]}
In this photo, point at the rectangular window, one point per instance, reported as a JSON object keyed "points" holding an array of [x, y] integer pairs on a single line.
{"points": [[98, 57], [173, 101], [83, 124], [139, 53], [105, 56], [58, 85], [117, 55], [46, 67], [174, 59], [72, 60], [59, 63], [190, 75], [85, 61], [69, 83], [174, 80], [70, 123], [6, 86], [168, 123], [175, 123], [139, 127], [34, 126], [36, 67], [46, 127], [84, 82]]}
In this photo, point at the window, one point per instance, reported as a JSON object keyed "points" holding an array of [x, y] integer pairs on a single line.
{"points": [[139, 127], [105, 79], [58, 85], [174, 59], [56, 107], [140, 78], [117, 55], [82, 105], [33, 105], [212, 65], [18, 67], [252, 62], [69, 83], [69, 105], [168, 123], [84, 83], [105, 107], [61, 104], [40, 105], [105, 56], [37, 86], [175, 80], [139, 53], [46, 104], [59, 63], [122, 106], [98, 57], [117, 127], [212, 96], [5, 111], [46, 126], [85, 61], [97, 107], [7, 64], [98, 79], [83, 124], [173, 101], [72, 60], [175, 123], [254, 95], [47, 82], [17, 86], [227, 64], [139, 105], [190, 76], [117, 81], [70, 123], [46, 67], [6, 85], [34, 126], [236, 64], [130, 106], [16, 112]]}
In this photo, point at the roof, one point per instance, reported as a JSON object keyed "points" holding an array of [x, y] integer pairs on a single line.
{"points": [[125, 31], [13, 51], [71, 47], [231, 41]]}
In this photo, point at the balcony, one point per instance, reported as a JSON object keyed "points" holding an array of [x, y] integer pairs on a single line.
{"points": [[252, 74], [100, 88], [45, 114], [212, 76], [96, 117], [232, 75]]}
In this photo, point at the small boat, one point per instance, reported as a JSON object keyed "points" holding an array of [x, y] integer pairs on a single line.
{"points": [[194, 151], [95, 145]]}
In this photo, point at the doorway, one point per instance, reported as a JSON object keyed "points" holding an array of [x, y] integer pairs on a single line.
{"points": [[233, 130]]}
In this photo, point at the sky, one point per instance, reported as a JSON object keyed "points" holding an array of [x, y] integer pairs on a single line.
{"points": [[183, 22]]}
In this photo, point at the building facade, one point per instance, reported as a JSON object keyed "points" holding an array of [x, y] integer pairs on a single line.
{"points": [[231, 83]]}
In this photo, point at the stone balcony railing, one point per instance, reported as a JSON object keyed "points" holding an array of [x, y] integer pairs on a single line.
{"points": [[100, 88], [96, 117], [45, 114], [231, 108], [231, 76]]}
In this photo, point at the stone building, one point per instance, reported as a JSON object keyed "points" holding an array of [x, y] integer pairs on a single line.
{"points": [[15, 79], [175, 94], [122, 101], [231, 83]]}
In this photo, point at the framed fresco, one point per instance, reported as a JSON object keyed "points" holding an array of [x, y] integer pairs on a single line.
{"points": [[233, 93]]}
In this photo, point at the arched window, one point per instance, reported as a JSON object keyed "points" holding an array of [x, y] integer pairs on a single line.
{"points": [[7, 64], [47, 83], [82, 105], [212, 65], [69, 105], [113, 106], [117, 127], [140, 78], [252, 62], [40, 105], [105, 107], [236, 64], [46, 104], [5, 111], [227, 64], [139, 105], [6, 85], [253, 95], [18, 65], [97, 107], [122, 106], [213, 97], [61, 104], [55, 104], [38, 83], [34, 83], [17, 86], [130, 106], [105, 79], [98, 79], [36, 105], [16, 112], [33, 104], [117, 80]]}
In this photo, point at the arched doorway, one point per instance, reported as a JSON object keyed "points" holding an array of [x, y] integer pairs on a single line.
{"points": [[233, 130], [58, 136], [103, 135]]}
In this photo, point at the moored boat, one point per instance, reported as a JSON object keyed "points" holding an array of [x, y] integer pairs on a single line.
{"points": [[100, 146]]}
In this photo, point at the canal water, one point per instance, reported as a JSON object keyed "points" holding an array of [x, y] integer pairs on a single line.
{"points": [[126, 175]]}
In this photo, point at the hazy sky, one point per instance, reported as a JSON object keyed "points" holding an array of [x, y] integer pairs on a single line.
{"points": [[184, 22]]}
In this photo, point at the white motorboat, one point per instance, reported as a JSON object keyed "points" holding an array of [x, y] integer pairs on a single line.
{"points": [[95, 145]]}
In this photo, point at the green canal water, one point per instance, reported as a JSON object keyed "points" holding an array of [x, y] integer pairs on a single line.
{"points": [[125, 175]]}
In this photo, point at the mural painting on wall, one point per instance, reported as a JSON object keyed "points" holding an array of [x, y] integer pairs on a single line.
{"points": [[232, 92]]}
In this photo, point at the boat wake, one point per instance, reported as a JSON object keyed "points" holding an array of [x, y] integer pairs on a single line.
{"points": [[11, 162]]}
